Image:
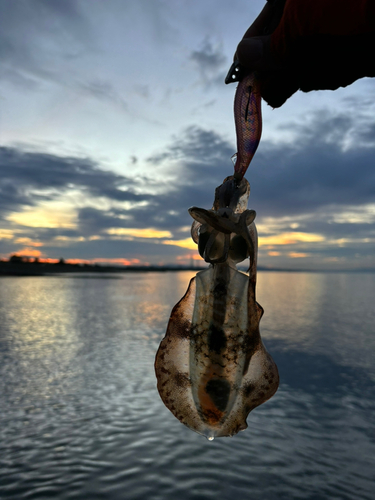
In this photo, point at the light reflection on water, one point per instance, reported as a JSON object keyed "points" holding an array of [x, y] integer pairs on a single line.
{"points": [[81, 417], [329, 314]]}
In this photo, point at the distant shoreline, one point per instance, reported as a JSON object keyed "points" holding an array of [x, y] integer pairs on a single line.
{"points": [[8, 268]]}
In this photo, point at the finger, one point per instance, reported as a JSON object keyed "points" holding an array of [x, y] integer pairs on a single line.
{"points": [[257, 28], [255, 54], [250, 52]]}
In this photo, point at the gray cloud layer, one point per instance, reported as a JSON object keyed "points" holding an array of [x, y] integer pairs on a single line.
{"points": [[311, 181], [210, 60], [27, 177], [286, 179]]}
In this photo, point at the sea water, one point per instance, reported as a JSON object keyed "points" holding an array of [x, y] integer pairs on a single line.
{"points": [[80, 416]]}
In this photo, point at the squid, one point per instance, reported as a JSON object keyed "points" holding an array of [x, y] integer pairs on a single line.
{"points": [[212, 368]]}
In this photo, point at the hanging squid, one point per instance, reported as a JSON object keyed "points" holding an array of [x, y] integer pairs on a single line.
{"points": [[212, 368]]}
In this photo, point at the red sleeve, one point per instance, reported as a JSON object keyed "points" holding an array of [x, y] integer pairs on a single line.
{"points": [[304, 18]]}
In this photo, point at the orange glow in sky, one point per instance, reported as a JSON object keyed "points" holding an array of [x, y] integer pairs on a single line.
{"points": [[290, 239], [186, 243], [116, 262]]}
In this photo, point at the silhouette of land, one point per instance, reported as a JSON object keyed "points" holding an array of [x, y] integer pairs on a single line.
{"points": [[23, 266]]}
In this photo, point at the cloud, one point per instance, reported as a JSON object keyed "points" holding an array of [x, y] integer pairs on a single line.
{"points": [[26, 178], [142, 90], [38, 190], [32, 183], [54, 35], [51, 31], [314, 197], [313, 173], [319, 169], [94, 221], [321, 186], [210, 60], [103, 91], [199, 153], [208, 56]]}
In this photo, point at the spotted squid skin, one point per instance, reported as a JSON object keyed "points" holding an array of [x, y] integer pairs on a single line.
{"points": [[248, 121], [212, 367]]}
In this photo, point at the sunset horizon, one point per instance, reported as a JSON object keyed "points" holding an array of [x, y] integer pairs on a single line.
{"points": [[118, 121]]}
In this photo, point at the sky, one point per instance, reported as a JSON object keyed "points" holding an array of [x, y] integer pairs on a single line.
{"points": [[115, 119]]}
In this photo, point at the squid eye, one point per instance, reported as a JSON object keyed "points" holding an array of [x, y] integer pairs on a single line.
{"points": [[202, 242], [238, 249], [212, 246]]}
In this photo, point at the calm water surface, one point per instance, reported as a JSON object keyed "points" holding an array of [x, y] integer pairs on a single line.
{"points": [[81, 417]]}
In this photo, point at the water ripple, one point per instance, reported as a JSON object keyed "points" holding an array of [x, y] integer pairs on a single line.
{"points": [[81, 418]]}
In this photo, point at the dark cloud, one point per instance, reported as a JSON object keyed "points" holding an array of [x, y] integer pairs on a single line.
{"points": [[199, 153], [316, 170], [352, 129], [324, 223], [47, 234], [210, 60], [313, 172], [94, 221], [316, 181], [317, 177], [168, 216], [208, 56], [27, 177], [198, 160]]}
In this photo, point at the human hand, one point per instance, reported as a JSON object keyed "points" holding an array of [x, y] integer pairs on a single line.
{"points": [[309, 45]]}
